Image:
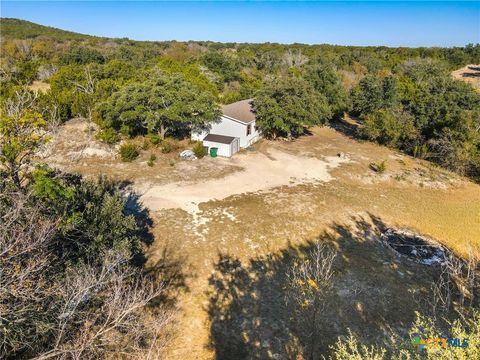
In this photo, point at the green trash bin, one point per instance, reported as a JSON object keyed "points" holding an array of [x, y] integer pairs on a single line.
{"points": [[213, 151]]}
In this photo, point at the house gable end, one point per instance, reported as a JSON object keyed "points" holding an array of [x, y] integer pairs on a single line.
{"points": [[238, 121]]}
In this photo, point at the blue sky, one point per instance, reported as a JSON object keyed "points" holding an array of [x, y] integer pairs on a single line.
{"points": [[391, 23]]}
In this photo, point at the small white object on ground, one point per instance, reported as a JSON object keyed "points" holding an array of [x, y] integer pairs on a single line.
{"points": [[188, 155]]}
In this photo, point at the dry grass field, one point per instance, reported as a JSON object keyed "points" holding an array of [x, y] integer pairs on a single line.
{"points": [[255, 227], [73, 147], [39, 86], [235, 246]]}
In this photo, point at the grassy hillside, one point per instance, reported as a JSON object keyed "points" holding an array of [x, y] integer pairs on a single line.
{"points": [[22, 29]]}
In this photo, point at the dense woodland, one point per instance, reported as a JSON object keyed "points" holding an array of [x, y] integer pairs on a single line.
{"points": [[402, 97], [72, 251]]}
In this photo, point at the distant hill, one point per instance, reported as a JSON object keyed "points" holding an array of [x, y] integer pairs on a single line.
{"points": [[22, 29]]}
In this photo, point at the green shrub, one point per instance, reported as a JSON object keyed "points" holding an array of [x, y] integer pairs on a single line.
{"points": [[166, 148], [379, 167], [169, 145], [146, 144], [108, 136], [420, 151], [154, 139], [128, 152], [351, 349], [199, 150], [150, 140], [151, 160], [399, 347], [89, 242]]}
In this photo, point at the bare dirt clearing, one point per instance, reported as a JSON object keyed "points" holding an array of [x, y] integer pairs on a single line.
{"points": [[259, 172], [266, 203], [469, 74], [74, 142]]}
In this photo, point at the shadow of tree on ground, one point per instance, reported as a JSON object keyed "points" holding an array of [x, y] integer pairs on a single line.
{"points": [[167, 268], [375, 294], [349, 128]]}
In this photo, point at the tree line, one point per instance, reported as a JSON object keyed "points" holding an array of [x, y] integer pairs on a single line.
{"points": [[403, 97]]}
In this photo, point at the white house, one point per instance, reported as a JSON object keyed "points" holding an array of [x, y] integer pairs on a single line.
{"points": [[234, 130]]}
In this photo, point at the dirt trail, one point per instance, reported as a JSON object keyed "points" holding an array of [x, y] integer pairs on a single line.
{"points": [[261, 172], [470, 74]]}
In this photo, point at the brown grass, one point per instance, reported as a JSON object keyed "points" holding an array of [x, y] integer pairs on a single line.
{"points": [[259, 228], [39, 86], [411, 194], [74, 148]]}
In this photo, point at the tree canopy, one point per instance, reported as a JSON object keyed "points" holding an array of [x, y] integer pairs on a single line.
{"points": [[374, 93], [162, 104], [22, 132], [326, 81], [289, 106], [421, 106]]}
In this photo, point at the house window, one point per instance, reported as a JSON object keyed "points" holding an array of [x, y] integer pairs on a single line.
{"points": [[249, 129]]}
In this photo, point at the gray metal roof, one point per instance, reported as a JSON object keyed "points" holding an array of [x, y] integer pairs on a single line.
{"points": [[222, 139], [240, 110]]}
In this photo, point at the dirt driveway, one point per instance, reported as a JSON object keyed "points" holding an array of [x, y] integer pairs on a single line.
{"points": [[259, 172]]}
